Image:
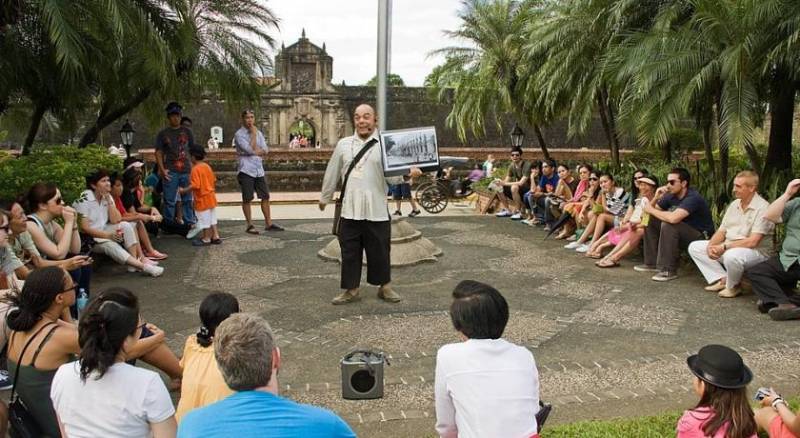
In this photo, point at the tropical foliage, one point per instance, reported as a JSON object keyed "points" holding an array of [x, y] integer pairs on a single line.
{"points": [[108, 57], [647, 69]]}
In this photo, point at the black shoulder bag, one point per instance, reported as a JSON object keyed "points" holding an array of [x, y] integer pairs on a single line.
{"points": [[21, 422], [337, 212]]}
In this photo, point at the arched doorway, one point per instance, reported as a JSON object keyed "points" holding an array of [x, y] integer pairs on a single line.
{"points": [[304, 133]]}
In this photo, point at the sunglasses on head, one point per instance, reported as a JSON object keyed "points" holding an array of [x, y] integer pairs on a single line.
{"points": [[593, 178]]}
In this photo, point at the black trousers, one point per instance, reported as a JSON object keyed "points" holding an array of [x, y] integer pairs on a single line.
{"points": [[663, 242], [374, 238], [772, 283]]}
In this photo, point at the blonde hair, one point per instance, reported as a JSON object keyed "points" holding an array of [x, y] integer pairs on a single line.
{"points": [[752, 176]]}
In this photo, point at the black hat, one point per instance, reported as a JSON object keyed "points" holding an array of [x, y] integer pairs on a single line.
{"points": [[174, 108], [720, 366]]}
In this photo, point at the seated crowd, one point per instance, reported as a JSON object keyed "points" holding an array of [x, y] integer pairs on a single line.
{"points": [[606, 222]]}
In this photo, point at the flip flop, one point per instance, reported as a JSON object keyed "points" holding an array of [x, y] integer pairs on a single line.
{"points": [[251, 229], [607, 263]]}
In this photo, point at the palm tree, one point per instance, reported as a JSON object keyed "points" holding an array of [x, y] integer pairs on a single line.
{"points": [[486, 72], [203, 46]]}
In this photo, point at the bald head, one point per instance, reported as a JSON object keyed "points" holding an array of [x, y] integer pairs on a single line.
{"points": [[365, 121]]}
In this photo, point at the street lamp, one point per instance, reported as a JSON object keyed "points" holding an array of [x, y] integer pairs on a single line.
{"points": [[517, 136], [126, 132]]}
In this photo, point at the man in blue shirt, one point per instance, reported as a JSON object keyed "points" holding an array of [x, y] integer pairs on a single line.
{"points": [[249, 360], [251, 148], [547, 184], [678, 217]]}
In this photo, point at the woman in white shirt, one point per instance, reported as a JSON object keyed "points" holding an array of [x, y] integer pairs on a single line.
{"points": [[100, 394], [485, 386]]}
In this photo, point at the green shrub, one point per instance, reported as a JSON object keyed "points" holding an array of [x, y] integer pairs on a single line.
{"points": [[66, 166]]}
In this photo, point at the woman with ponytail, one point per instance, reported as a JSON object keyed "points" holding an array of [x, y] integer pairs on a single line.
{"points": [[202, 382], [39, 309], [100, 394]]}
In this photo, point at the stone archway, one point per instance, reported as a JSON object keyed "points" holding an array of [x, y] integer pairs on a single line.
{"points": [[305, 128]]}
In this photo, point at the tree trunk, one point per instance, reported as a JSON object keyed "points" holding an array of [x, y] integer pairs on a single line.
{"points": [[612, 124], [36, 121], [781, 105], [542, 142], [709, 150], [608, 128], [108, 116], [666, 151]]}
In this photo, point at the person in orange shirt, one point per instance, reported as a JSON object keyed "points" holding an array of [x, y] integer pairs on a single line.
{"points": [[203, 187]]}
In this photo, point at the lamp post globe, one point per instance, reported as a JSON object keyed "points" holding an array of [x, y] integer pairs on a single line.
{"points": [[517, 136], [126, 134]]}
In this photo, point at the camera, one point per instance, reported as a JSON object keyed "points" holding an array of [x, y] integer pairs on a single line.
{"points": [[761, 393]]}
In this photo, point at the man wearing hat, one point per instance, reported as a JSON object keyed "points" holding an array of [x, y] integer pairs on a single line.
{"points": [[774, 279], [742, 240], [174, 164]]}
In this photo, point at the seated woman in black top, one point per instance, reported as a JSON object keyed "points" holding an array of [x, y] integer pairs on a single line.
{"points": [[142, 215]]}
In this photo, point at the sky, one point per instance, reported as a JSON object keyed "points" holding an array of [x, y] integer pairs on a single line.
{"points": [[349, 29]]}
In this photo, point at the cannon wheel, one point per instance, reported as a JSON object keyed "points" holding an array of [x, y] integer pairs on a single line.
{"points": [[433, 198]]}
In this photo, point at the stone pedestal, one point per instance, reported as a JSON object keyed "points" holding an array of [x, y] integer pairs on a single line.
{"points": [[408, 246]]}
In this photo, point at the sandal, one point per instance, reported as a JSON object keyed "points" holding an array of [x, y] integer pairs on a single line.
{"points": [[594, 255], [251, 229], [607, 263]]}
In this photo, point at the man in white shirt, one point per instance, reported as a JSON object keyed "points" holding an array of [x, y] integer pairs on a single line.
{"points": [[742, 240], [365, 223], [485, 386]]}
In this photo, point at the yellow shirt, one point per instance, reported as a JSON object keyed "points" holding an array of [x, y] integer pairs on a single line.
{"points": [[202, 382]]}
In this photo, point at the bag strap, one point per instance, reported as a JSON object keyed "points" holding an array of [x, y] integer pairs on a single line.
{"points": [[41, 344], [22, 354], [353, 163]]}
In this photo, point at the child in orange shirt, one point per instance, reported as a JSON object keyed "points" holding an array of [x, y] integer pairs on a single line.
{"points": [[203, 187]]}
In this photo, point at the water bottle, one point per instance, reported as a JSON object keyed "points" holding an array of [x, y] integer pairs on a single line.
{"points": [[81, 300]]}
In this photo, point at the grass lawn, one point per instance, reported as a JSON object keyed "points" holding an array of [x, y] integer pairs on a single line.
{"points": [[644, 427]]}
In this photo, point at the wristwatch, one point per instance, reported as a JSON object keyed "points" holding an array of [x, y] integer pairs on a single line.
{"points": [[777, 401]]}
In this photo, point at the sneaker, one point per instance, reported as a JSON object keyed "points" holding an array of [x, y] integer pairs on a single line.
{"points": [[516, 217], [148, 261], [716, 287], [572, 245], [346, 297], [193, 232], [503, 213], [153, 271], [414, 213], [665, 276], [645, 268], [572, 238], [5, 380], [132, 269], [389, 295], [765, 307], [582, 248], [527, 222], [784, 313], [729, 292], [397, 213]]}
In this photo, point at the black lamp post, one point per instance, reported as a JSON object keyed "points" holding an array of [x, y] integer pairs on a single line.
{"points": [[517, 136], [126, 132]]}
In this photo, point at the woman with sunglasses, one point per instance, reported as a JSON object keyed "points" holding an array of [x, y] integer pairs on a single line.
{"points": [[41, 321], [102, 395], [631, 231], [23, 247], [53, 241]]}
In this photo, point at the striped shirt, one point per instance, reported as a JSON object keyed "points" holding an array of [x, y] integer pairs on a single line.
{"points": [[617, 201]]}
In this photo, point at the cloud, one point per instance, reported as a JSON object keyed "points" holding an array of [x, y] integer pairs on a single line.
{"points": [[349, 30]]}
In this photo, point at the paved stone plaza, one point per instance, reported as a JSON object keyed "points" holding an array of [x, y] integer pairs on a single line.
{"points": [[608, 343]]}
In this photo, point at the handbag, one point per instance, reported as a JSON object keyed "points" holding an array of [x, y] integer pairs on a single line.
{"points": [[337, 211], [21, 422]]}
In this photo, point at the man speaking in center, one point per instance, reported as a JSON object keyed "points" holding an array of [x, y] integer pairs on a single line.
{"points": [[365, 222]]}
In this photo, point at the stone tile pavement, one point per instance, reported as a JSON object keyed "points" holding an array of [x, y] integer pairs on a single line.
{"points": [[608, 343]]}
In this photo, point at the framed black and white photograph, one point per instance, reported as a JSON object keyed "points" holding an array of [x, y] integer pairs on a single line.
{"points": [[405, 148]]}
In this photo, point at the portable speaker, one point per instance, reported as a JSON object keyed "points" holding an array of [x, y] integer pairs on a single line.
{"points": [[362, 375]]}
